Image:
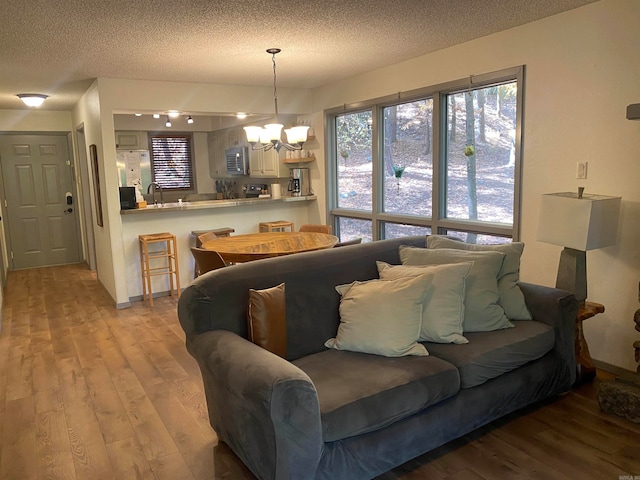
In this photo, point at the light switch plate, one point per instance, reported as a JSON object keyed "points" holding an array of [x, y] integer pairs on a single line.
{"points": [[581, 170]]}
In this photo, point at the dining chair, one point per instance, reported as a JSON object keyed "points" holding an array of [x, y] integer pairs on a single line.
{"points": [[207, 237], [354, 241], [315, 228], [206, 260]]}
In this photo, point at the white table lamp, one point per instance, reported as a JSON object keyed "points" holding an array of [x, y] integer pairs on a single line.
{"points": [[578, 223]]}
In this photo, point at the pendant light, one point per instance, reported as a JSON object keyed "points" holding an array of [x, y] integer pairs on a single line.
{"points": [[269, 136]]}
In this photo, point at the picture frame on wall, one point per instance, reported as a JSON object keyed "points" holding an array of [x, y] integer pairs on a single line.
{"points": [[93, 153]]}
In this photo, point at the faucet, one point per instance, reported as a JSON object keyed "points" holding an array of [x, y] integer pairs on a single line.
{"points": [[156, 186]]}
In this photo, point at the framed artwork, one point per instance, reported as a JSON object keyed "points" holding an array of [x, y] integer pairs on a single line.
{"points": [[93, 152]]}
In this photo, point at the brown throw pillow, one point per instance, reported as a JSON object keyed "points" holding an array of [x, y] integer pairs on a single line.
{"points": [[266, 319]]}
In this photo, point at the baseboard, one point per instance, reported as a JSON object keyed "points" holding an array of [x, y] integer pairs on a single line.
{"points": [[618, 371], [138, 298]]}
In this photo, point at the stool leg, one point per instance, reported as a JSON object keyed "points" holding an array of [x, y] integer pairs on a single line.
{"points": [[170, 267], [148, 270], [176, 264], [143, 271]]}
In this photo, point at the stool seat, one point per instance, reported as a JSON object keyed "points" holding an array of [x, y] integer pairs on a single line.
{"points": [[275, 226], [169, 252]]}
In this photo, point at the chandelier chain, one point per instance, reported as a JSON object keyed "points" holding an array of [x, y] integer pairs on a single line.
{"points": [[275, 89]]}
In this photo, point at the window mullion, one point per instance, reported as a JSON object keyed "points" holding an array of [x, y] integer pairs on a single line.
{"points": [[438, 158]]}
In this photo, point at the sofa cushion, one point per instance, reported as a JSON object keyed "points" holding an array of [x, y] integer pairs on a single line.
{"points": [[443, 314], [490, 354], [266, 319], [482, 313], [511, 298], [360, 393], [382, 317]]}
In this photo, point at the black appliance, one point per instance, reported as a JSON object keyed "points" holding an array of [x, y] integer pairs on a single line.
{"points": [[128, 198], [253, 190], [294, 187]]}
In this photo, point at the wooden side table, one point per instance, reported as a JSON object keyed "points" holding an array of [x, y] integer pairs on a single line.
{"points": [[584, 363]]}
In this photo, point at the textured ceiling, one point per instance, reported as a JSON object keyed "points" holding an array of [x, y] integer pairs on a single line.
{"points": [[59, 47]]}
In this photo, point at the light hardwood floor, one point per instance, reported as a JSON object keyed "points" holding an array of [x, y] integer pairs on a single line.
{"points": [[91, 392]]}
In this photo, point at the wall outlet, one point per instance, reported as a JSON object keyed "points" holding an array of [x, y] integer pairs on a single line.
{"points": [[581, 170]]}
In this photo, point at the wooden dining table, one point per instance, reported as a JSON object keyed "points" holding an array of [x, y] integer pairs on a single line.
{"points": [[256, 246]]}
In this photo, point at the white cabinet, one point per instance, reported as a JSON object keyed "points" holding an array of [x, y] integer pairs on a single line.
{"points": [[235, 137], [267, 164], [217, 161], [130, 140]]}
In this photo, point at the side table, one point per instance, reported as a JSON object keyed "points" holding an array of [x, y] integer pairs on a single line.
{"points": [[586, 371]]}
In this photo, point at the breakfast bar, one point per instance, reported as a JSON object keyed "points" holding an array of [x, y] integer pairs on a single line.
{"points": [[243, 215]]}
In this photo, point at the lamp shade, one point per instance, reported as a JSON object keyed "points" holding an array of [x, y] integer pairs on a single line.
{"points": [[583, 223]]}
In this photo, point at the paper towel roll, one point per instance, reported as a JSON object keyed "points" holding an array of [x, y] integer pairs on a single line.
{"points": [[275, 190]]}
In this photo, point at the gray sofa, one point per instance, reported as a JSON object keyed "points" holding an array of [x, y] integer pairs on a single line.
{"points": [[328, 414]]}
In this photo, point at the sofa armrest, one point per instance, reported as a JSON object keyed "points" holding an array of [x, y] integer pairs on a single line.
{"points": [[558, 309], [264, 407]]}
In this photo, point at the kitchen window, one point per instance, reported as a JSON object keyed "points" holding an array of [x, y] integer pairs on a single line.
{"points": [[442, 159], [172, 161]]}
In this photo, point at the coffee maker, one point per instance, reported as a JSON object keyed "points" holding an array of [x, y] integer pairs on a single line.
{"points": [[299, 182]]}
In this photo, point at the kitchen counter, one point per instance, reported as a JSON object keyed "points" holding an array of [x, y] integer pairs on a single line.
{"points": [[236, 202]]}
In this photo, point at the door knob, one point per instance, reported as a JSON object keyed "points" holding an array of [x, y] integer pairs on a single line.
{"points": [[68, 210]]}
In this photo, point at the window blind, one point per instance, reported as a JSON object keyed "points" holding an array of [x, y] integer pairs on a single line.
{"points": [[171, 160]]}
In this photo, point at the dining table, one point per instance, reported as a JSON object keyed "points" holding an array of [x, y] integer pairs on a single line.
{"points": [[256, 246]]}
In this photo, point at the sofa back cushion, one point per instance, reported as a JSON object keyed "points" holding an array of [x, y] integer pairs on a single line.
{"points": [[219, 299]]}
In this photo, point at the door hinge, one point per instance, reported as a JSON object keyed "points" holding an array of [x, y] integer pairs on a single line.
{"points": [[11, 254], [5, 202]]}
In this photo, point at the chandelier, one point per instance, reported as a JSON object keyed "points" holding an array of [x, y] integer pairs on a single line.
{"points": [[269, 136]]}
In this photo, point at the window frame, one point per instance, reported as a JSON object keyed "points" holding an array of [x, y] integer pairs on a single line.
{"points": [[438, 222], [192, 162]]}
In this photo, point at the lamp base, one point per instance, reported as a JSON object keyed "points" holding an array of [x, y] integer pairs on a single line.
{"points": [[572, 273]]}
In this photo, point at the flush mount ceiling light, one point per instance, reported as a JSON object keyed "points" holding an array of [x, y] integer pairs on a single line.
{"points": [[173, 113], [269, 135], [241, 115], [156, 115], [32, 99]]}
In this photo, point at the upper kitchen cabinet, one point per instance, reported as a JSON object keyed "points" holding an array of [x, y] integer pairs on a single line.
{"points": [[267, 164], [131, 140], [217, 161]]}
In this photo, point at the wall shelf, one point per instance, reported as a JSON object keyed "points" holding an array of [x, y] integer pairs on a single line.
{"points": [[300, 160]]}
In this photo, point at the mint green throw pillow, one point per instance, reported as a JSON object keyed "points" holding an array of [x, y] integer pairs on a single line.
{"points": [[511, 297], [382, 317], [482, 310], [443, 312]]}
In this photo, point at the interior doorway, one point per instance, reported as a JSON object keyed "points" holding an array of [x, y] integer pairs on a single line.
{"points": [[41, 215]]}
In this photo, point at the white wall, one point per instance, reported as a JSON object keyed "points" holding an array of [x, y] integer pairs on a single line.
{"points": [[582, 70], [87, 112]]}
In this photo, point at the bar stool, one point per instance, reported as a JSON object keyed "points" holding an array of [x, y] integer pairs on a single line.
{"points": [[277, 226], [169, 252]]}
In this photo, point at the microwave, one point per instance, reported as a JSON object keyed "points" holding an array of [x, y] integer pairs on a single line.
{"points": [[237, 159]]}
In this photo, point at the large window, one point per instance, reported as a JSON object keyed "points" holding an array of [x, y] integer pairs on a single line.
{"points": [[443, 159], [172, 161]]}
